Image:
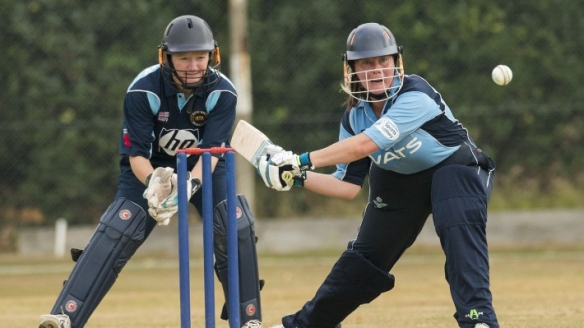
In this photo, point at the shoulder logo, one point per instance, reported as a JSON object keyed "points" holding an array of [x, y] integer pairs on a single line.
{"points": [[388, 128]]}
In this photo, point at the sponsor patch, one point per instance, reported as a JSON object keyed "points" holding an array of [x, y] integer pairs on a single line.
{"points": [[163, 117], [387, 128]]}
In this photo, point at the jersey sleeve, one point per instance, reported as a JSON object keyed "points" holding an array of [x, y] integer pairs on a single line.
{"points": [[410, 111], [138, 127], [221, 118], [356, 171]]}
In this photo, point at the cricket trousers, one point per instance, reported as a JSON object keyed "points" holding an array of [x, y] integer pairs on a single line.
{"points": [[398, 207]]}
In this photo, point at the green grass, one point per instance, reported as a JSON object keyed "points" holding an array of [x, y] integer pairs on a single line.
{"points": [[536, 287]]}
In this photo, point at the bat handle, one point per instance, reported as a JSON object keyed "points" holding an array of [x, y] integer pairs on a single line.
{"points": [[288, 177]]}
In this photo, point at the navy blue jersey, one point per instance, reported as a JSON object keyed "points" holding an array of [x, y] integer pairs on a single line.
{"points": [[159, 120], [415, 132]]}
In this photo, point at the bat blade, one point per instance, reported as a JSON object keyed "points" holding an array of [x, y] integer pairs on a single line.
{"points": [[249, 142]]}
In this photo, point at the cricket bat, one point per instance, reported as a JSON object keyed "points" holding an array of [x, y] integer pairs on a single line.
{"points": [[249, 142]]}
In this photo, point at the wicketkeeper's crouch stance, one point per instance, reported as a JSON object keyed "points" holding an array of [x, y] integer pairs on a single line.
{"points": [[183, 101], [121, 231]]}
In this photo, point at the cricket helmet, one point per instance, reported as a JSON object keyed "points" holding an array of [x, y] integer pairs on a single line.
{"points": [[367, 41], [189, 33]]}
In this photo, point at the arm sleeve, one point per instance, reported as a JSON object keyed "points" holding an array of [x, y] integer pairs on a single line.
{"points": [[138, 128], [356, 171], [410, 111], [221, 120]]}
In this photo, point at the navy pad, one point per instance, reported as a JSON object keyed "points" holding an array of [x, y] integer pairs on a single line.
{"points": [[116, 238], [249, 282]]}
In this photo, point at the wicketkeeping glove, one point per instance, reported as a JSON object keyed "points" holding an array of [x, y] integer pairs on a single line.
{"points": [[158, 186], [167, 207]]}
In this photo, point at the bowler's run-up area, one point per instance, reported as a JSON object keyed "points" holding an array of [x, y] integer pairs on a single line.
{"points": [[535, 287]]}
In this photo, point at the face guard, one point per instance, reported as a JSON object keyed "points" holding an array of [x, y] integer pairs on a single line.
{"points": [[368, 41], [190, 34]]}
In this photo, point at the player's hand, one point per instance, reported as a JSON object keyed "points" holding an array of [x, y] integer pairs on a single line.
{"points": [[276, 177], [168, 206], [158, 186], [272, 150], [299, 163], [269, 151]]}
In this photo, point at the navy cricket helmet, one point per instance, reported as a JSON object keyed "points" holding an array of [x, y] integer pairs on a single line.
{"points": [[189, 33], [367, 41]]}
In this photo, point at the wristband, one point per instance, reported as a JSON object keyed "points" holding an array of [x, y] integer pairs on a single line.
{"points": [[195, 185], [299, 179], [147, 181], [304, 162]]}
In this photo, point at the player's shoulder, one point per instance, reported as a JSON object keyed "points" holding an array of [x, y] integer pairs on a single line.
{"points": [[416, 83], [224, 84], [417, 87], [147, 79]]}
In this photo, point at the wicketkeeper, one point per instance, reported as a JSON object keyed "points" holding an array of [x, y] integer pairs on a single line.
{"points": [[183, 101]]}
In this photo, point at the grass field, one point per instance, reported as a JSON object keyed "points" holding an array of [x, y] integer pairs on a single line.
{"points": [[540, 287]]}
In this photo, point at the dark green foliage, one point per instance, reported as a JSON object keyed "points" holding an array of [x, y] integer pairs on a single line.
{"points": [[66, 65]]}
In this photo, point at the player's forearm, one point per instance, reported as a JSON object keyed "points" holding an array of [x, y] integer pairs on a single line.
{"points": [[141, 167], [344, 151], [326, 184], [197, 171]]}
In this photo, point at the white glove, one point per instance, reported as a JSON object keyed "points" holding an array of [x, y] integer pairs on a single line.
{"points": [[158, 186], [275, 177], [297, 163], [272, 150], [164, 209]]}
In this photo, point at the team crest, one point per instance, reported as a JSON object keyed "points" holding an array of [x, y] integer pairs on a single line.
{"points": [[125, 214], [199, 118]]}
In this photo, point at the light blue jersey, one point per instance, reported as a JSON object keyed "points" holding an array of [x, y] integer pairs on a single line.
{"points": [[415, 132]]}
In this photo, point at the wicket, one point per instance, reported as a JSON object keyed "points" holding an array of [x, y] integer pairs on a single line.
{"points": [[183, 237]]}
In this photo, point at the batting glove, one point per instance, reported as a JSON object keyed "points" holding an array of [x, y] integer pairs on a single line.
{"points": [[276, 177], [300, 162]]}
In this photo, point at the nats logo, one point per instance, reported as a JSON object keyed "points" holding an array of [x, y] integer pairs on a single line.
{"points": [[71, 306], [238, 212], [250, 310], [125, 214], [172, 140]]}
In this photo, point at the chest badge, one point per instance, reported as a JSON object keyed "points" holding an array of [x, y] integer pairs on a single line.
{"points": [[199, 118]]}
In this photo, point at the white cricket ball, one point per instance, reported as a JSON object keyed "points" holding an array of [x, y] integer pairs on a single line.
{"points": [[502, 74]]}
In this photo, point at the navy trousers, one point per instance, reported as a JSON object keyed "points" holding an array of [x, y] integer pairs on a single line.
{"points": [[398, 207]]}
